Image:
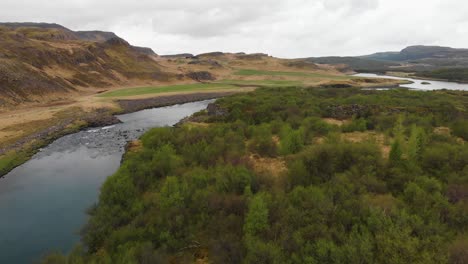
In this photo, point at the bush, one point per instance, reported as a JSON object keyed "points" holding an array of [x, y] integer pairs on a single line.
{"points": [[460, 129]]}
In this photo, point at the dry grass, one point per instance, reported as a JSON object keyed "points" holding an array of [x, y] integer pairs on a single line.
{"points": [[371, 136], [336, 122], [134, 146], [273, 167], [442, 131], [192, 124]]}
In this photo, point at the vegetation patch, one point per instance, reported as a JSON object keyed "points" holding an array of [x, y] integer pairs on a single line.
{"points": [[12, 159], [255, 187], [266, 83], [449, 74]]}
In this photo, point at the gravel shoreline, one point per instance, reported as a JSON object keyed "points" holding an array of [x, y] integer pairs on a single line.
{"points": [[129, 106]]}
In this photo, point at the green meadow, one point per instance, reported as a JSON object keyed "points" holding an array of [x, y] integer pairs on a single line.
{"points": [[248, 72], [167, 89]]}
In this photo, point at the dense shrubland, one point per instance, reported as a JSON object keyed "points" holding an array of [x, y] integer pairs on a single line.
{"points": [[194, 193]]}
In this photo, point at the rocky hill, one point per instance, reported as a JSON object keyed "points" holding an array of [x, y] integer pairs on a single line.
{"points": [[41, 61]]}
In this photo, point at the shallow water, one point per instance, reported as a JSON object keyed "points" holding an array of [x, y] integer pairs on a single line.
{"points": [[43, 202], [417, 83]]}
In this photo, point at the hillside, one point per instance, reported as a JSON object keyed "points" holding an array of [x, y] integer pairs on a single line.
{"points": [[44, 62]]}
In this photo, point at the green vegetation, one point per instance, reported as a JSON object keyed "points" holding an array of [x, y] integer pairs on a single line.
{"points": [[449, 74], [167, 89], [266, 83], [460, 129], [12, 159], [247, 72], [196, 193], [220, 85]]}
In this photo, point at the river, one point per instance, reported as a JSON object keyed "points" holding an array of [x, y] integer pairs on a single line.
{"points": [[418, 83], [43, 201]]}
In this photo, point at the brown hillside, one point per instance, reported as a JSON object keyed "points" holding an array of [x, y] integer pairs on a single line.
{"points": [[41, 60]]}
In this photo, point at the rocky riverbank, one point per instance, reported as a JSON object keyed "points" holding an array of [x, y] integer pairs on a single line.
{"points": [[23, 149], [129, 106]]}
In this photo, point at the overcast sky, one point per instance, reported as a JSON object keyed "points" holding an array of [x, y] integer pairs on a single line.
{"points": [[283, 28]]}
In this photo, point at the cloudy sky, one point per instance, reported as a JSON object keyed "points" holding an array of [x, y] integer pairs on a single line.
{"points": [[283, 28]]}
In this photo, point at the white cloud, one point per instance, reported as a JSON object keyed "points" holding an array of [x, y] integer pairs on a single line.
{"points": [[285, 28]]}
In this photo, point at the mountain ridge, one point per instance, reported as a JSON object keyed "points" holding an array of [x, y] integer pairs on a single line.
{"points": [[419, 52], [417, 58]]}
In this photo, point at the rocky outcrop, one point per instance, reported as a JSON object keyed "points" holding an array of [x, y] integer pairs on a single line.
{"points": [[95, 35], [302, 64], [253, 56], [116, 41], [208, 62], [141, 104], [336, 85], [179, 56], [101, 117], [144, 50], [211, 54], [214, 110], [342, 112], [201, 76]]}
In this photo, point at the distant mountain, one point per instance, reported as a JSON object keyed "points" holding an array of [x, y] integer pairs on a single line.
{"points": [[420, 52], [411, 59], [39, 61]]}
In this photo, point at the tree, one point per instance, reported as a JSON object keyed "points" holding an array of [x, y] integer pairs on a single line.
{"points": [[292, 141], [256, 220], [262, 142], [459, 251], [396, 153], [416, 144], [460, 129]]}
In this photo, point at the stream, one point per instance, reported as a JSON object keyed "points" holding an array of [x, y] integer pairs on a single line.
{"points": [[43, 202], [418, 84]]}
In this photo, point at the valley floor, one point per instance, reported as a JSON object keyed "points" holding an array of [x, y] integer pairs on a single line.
{"points": [[26, 128]]}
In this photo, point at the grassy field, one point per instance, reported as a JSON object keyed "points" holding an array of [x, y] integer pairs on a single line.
{"points": [[269, 83], [168, 89], [247, 72], [220, 85]]}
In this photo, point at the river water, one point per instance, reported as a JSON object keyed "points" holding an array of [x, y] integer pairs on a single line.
{"points": [[418, 83], [43, 202]]}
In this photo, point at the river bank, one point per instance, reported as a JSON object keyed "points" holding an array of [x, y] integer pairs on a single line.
{"points": [[20, 151], [419, 83]]}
